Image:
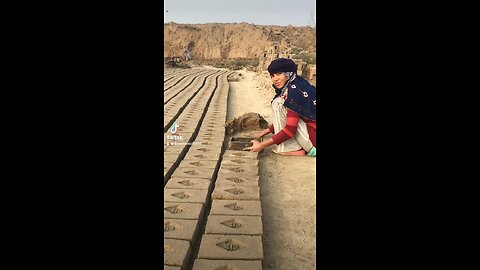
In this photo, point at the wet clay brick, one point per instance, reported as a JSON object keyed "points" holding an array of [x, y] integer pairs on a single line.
{"points": [[219, 135], [189, 183], [170, 158], [240, 154], [194, 172], [176, 252], [238, 169], [185, 195], [246, 225], [208, 139], [182, 210], [236, 208], [195, 155], [173, 150], [231, 247], [231, 192], [198, 164], [181, 229], [237, 179], [167, 165], [205, 149], [203, 264], [249, 163], [212, 144], [168, 267]]}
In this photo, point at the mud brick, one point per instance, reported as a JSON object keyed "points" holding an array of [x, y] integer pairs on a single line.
{"points": [[203, 138], [205, 149], [189, 183], [198, 155], [206, 124], [245, 225], [180, 229], [167, 165], [170, 157], [236, 208], [238, 169], [206, 129], [213, 144], [232, 192], [184, 195], [176, 252], [203, 264], [237, 179], [182, 210], [210, 164], [168, 267], [173, 149], [231, 247], [218, 135], [240, 154], [190, 118], [190, 128], [194, 172], [250, 163]]}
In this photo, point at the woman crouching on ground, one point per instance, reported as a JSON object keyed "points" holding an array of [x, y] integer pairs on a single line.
{"points": [[294, 112]]}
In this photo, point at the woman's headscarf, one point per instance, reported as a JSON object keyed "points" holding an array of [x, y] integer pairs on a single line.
{"points": [[302, 96]]}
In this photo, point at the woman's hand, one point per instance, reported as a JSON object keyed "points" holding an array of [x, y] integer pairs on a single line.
{"points": [[256, 147], [262, 133]]}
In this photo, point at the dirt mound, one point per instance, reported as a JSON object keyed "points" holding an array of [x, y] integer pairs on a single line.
{"points": [[247, 122]]}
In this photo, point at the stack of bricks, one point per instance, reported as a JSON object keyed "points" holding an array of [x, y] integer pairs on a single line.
{"points": [[233, 233], [187, 192]]}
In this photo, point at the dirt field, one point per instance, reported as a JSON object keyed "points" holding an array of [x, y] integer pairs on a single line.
{"points": [[287, 185]]}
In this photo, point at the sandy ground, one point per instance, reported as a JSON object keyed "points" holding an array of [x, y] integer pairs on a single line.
{"points": [[288, 187]]}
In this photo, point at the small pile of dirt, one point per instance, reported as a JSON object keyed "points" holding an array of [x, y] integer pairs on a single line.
{"points": [[247, 122]]}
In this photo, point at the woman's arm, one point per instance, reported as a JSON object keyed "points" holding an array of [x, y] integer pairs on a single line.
{"points": [[290, 128], [263, 133], [286, 133]]}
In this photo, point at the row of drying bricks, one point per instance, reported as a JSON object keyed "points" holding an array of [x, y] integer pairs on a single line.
{"points": [[210, 134], [233, 233], [234, 228], [183, 100]]}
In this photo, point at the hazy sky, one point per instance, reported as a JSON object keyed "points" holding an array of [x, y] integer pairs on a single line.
{"points": [[264, 12]]}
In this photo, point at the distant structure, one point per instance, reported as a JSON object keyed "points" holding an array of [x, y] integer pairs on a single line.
{"points": [[276, 50], [188, 55]]}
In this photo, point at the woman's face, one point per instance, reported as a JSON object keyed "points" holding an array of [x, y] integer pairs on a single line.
{"points": [[279, 80]]}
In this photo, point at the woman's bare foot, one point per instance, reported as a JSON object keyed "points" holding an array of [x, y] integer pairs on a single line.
{"points": [[300, 152]]}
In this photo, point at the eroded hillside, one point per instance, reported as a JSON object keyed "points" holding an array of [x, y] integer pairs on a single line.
{"points": [[234, 40]]}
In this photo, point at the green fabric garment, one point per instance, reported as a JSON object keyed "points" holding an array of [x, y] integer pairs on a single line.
{"points": [[313, 152]]}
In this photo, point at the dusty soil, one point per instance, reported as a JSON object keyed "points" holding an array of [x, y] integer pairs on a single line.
{"points": [[288, 187]]}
